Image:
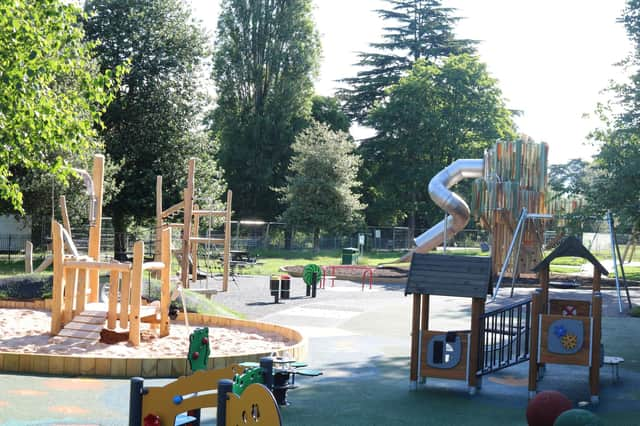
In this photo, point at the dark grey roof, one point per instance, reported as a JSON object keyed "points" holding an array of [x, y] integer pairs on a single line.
{"points": [[445, 275], [571, 247]]}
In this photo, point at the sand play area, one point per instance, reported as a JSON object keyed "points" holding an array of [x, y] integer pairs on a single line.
{"points": [[27, 331]]}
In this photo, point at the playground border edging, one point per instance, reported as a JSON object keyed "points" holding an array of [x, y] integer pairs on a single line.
{"points": [[155, 367]]}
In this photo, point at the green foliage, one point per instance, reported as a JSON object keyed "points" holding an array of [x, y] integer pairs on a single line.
{"points": [[616, 186], [417, 29], [51, 95], [152, 127], [319, 191], [265, 58], [327, 110], [433, 116]]}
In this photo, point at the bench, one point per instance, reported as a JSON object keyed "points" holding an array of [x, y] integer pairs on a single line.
{"points": [[614, 362]]}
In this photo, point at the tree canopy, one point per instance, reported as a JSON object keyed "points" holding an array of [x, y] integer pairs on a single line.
{"points": [[51, 95], [265, 58], [616, 186], [320, 188], [433, 116], [417, 29], [153, 125]]}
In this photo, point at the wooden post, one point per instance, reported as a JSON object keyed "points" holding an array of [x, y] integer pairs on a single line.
{"points": [[81, 298], [424, 326], [544, 285], [227, 244], [594, 369], [95, 231], [194, 246], [536, 308], [186, 229], [415, 342], [157, 254], [28, 257], [477, 309], [58, 278], [165, 291], [114, 281], [70, 279], [136, 296], [595, 285]]}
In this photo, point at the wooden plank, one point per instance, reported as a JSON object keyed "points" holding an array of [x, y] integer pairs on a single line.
{"points": [[75, 325], [103, 366], [173, 209], [125, 293], [79, 334], [214, 213], [152, 266], [70, 279], [165, 277], [95, 267]]}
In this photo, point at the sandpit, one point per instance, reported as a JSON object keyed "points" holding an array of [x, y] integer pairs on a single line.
{"points": [[26, 346], [27, 331]]}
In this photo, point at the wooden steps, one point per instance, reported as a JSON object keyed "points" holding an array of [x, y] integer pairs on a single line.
{"points": [[88, 324]]}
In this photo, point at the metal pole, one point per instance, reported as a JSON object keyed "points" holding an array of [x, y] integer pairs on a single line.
{"points": [[523, 215]]}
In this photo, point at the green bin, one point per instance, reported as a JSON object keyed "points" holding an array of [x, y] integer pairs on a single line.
{"points": [[349, 256]]}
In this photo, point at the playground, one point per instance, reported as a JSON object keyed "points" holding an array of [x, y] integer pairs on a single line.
{"points": [[360, 340], [459, 336]]}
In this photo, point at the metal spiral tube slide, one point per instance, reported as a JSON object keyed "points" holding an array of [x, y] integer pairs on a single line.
{"points": [[450, 202]]}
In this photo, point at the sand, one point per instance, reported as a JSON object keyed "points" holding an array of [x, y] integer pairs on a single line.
{"points": [[27, 331]]}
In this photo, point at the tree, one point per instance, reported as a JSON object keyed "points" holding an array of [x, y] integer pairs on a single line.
{"points": [[320, 188], [51, 95], [265, 58], [327, 110], [152, 127], [418, 29], [433, 116], [617, 183]]}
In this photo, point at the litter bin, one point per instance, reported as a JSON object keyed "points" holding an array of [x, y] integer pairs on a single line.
{"points": [[274, 286], [349, 256], [285, 285]]}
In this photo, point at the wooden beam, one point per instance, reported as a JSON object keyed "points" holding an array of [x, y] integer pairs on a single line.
{"points": [[136, 294], [173, 209], [95, 231], [58, 278], [28, 257], [165, 277]]}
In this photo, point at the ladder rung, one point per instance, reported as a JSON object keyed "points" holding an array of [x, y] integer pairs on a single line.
{"points": [[176, 225], [218, 213], [204, 240], [152, 266]]}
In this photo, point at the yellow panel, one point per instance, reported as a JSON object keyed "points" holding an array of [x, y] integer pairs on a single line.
{"points": [[256, 405]]}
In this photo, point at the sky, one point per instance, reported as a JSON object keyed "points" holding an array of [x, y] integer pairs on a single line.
{"points": [[552, 59]]}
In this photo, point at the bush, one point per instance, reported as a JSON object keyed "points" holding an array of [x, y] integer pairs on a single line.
{"points": [[26, 287]]}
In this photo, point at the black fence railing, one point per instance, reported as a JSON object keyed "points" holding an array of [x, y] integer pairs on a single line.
{"points": [[504, 337]]}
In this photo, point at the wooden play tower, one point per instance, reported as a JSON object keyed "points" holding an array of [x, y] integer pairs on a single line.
{"points": [[514, 178]]}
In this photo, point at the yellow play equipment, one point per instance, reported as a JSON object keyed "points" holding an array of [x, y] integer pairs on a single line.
{"points": [[169, 404], [191, 215], [75, 311]]}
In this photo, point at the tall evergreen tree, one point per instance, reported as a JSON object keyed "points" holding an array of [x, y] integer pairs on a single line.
{"points": [[418, 29], [265, 58], [152, 126]]}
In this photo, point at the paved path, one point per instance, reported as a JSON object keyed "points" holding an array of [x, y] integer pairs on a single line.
{"points": [[360, 339]]}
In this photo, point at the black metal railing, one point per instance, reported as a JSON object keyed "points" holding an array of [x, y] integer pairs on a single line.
{"points": [[504, 337]]}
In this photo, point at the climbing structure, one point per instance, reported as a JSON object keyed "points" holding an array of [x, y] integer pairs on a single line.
{"points": [[190, 225], [514, 177], [75, 311]]}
